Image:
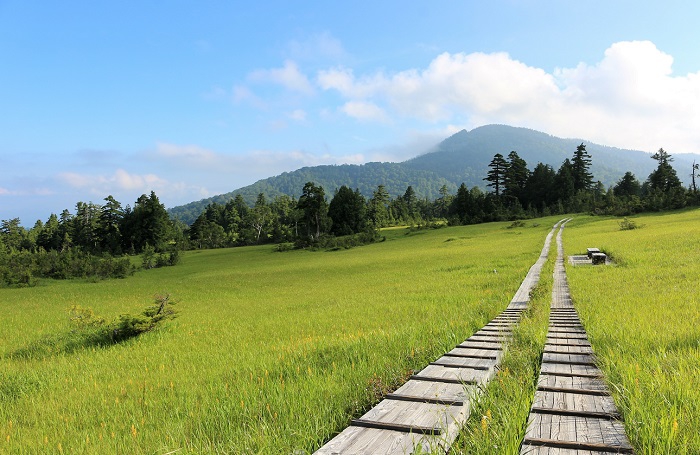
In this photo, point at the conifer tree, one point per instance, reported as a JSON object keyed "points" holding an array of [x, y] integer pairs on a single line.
{"points": [[496, 173]]}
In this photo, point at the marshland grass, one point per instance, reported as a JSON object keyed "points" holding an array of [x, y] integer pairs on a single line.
{"points": [[271, 352], [642, 315]]}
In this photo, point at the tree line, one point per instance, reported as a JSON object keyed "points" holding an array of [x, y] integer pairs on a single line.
{"points": [[91, 241]]}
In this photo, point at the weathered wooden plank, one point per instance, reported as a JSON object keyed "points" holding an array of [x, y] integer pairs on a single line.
{"points": [[465, 362], [569, 342], [573, 359], [570, 370], [437, 390], [364, 441], [466, 375], [572, 382], [575, 404], [545, 450], [475, 353], [410, 416], [487, 329], [576, 432], [491, 346], [395, 427], [420, 399], [577, 350], [567, 336]]}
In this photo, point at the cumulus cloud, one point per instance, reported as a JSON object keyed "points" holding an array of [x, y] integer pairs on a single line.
{"points": [[120, 180], [629, 99]]}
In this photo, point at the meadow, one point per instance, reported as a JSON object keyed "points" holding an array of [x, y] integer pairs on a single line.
{"points": [[642, 315], [270, 353], [276, 352]]}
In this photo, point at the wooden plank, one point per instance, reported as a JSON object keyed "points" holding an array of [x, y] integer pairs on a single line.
{"points": [[580, 448], [566, 402], [395, 427], [578, 349], [567, 336], [458, 374], [437, 390], [419, 399], [470, 356], [465, 362], [569, 342], [493, 346], [417, 377], [475, 352], [545, 450], [590, 433], [417, 417], [359, 440], [601, 393], [571, 359], [570, 370], [572, 382]]}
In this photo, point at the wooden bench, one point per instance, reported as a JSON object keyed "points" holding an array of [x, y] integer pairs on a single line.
{"points": [[591, 252], [598, 258]]}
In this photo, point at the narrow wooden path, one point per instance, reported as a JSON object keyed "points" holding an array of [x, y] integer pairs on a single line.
{"points": [[427, 412], [573, 412]]}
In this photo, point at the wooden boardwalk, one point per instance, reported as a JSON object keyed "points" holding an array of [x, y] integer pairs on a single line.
{"points": [[427, 412], [573, 412]]}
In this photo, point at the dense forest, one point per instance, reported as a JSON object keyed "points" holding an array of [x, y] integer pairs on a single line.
{"points": [[98, 239]]}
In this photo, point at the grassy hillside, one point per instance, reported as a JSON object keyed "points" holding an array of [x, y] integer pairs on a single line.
{"points": [[271, 353]]}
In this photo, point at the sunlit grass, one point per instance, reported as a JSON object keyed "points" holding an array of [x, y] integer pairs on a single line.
{"points": [[643, 317], [272, 352], [498, 421]]}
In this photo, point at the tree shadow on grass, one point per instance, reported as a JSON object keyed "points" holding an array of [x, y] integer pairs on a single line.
{"points": [[90, 331]]}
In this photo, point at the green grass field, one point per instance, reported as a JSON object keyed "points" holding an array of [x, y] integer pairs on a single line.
{"points": [[276, 352], [271, 352], [643, 319]]}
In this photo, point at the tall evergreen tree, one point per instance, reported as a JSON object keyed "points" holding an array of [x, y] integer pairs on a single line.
{"points": [[348, 210], [664, 178], [580, 165], [315, 208], [565, 183], [378, 214], [496, 174], [540, 188], [108, 223], [627, 186], [515, 177]]}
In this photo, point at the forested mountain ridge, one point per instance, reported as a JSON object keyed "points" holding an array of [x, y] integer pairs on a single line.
{"points": [[461, 158]]}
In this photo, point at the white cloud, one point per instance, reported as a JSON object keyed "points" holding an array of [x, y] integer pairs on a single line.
{"points": [[186, 152], [289, 76], [363, 110], [121, 180], [629, 99], [298, 115]]}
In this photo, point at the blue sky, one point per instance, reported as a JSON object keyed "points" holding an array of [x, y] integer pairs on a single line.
{"points": [[194, 99]]}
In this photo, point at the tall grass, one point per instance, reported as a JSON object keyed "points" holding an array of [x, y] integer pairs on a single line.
{"points": [[271, 352], [642, 316], [498, 420]]}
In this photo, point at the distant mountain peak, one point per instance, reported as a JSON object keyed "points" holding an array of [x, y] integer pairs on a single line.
{"points": [[461, 158]]}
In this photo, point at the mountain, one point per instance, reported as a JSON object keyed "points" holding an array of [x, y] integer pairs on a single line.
{"points": [[462, 157]]}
